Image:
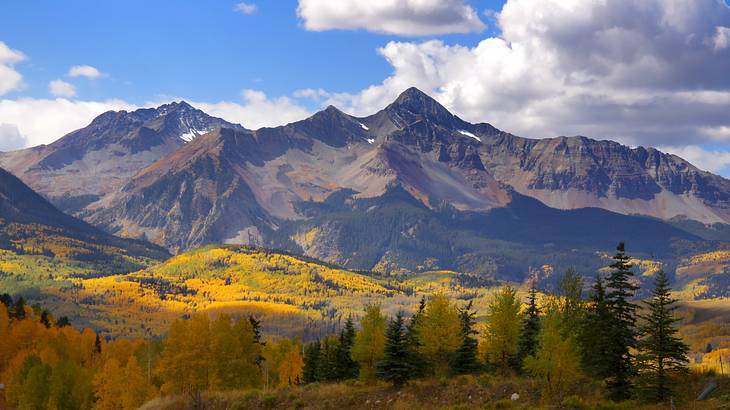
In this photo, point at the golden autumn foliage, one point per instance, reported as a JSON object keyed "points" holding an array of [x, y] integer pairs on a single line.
{"points": [[440, 332], [502, 327], [369, 342]]}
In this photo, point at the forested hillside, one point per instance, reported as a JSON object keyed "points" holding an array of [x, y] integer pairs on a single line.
{"points": [[544, 350]]}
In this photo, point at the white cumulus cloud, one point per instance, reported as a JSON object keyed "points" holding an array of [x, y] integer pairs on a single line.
{"points": [[245, 8], [721, 40], [707, 160], [42, 121], [650, 73], [85, 71], [10, 79], [60, 88], [61, 115], [401, 17], [256, 110], [10, 138]]}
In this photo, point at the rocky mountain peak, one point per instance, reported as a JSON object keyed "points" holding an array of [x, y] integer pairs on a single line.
{"points": [[414, 105]]}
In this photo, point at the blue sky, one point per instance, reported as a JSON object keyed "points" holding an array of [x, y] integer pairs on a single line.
{"points": [[202, 50], [649, 73]]}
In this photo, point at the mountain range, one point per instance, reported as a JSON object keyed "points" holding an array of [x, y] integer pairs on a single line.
{"points": [[411, 187]]}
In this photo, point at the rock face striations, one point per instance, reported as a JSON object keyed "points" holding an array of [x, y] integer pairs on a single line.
{"points": [[410, 186]]}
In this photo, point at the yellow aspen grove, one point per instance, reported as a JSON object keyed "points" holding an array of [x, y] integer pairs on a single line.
{"points": [[291, 366], [136, 389], [109, 386], [184, 365], [556, 361]]}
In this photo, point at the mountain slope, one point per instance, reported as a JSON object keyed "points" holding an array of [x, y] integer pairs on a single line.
{"points": [[407, 188], [229, 185], [87, 164], [30, 225], [577, 172]]}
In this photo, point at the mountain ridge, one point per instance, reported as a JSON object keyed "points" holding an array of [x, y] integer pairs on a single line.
{"points": [[240, 186]]}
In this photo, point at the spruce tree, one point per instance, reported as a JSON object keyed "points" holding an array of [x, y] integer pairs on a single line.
{"points": [[395, 366], [465, 359], [595, 345], [622, 331], [662, 354], [345, 367], [312, 358], [413, 342], [527, 343], [19, 308], [327, 368]]}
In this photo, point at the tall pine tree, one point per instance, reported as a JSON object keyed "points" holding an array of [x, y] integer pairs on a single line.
{"points": [[595, 346], [346, 368], [662, 354], [413, 342], [465, 359], [395, 366], [622, 331], [527, 343], [311, 362]]}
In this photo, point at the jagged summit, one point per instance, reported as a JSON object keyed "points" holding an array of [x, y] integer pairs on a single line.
{"points": [[413, 105]]}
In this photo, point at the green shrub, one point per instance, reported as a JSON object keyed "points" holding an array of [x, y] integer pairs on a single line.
{"points": [[574, 402], [268, 401]]}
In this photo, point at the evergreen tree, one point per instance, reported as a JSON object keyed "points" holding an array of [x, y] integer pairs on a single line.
{"points": [[345, 367], [312, 359], [465, 359], [327, 368], [6, 300], [413, 342], [662, 354], [256, 324], [63, 321], [622, 331], [527, 343], [97, 344], [595, 346], [19, 308], [46, 318], [395, 366]]}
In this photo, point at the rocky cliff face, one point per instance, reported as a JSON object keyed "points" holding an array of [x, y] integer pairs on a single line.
{"points": [[578, 172], [87, 164]]}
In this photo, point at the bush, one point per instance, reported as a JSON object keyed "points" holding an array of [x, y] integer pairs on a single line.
{"points": [[574, 402], [503, 404], [269, 401]]}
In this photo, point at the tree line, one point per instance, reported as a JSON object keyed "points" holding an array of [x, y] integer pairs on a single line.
{"points": [[555, 338]]}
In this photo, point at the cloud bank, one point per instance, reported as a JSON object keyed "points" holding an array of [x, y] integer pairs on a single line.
{"points": [[401, 17]]}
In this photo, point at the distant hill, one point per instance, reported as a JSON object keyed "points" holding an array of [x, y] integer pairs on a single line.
{"points": [[30, 225]]}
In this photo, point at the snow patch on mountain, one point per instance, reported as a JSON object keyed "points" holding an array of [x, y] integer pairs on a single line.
{"points": [[469, 134]]}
